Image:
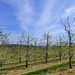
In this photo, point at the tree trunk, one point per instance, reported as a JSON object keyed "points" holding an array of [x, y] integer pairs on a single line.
{"points": [[70, 56], [26, 63], [27, 53], [27, 59], [20, 60], [0, 64], [35, 53], [70, 65], [60, 56], [46, 56], [34, 58], [47, 49]]}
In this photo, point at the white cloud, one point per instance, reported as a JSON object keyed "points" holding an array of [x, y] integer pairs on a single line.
{"points": [[25, 14], [58, 31], [45, 17], [51, 27], [69, 11]]}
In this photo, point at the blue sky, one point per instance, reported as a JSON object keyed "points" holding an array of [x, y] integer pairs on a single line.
{"points": [[34, 15]]}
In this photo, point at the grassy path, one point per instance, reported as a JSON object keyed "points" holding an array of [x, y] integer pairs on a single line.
{"points": [[21, 64], [45, 70], [35, 67]]}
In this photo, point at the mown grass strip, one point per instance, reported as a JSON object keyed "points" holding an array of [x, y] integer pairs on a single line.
{"points": [[16, 63], [10, 68], [19, 62], [43, 62], [41, 71]]}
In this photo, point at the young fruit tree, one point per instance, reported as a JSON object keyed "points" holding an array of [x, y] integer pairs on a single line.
{"points": [[69, 28], [4, 41], [20, 50], [27, 40], [59, 50], [48, 40], [59, 47], [35, 50]]}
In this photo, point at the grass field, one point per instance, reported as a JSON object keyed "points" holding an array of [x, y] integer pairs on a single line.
{"points": [[56, 69], [20, 67], [39, 67]]}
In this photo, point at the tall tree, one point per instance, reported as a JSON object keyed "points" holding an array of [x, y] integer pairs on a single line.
{"points": [[59, 45], [35, 50], [27, 39], [48, 40], [4, 42], [20, 50], [68, 27]]}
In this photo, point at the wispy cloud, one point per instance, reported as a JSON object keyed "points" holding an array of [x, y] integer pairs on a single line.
{"points": [[42, 21], [25, 15], [45, 17], [52, 27], [58, 31], [68, 12], [24, 12]]}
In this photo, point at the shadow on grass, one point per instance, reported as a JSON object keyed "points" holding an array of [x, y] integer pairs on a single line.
{"points": [[11, 68], [41, 71]]}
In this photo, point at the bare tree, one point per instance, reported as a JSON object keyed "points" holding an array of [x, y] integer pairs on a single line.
{"points": [[27, 39], [35, 50], [19, 51], [59, 45], [47, 38], [68, 27], [4, 42]]}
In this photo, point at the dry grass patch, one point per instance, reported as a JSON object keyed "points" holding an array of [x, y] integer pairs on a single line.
{"points": [[36, 67], [62, 71], [19, 64]]}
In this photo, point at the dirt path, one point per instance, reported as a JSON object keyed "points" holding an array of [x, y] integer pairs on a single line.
{"points": [[34, 68]]}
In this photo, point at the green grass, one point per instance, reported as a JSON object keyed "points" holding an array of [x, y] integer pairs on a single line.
{"points": [[10, 68], [41, 71], [18, 62], [43, 62]]}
